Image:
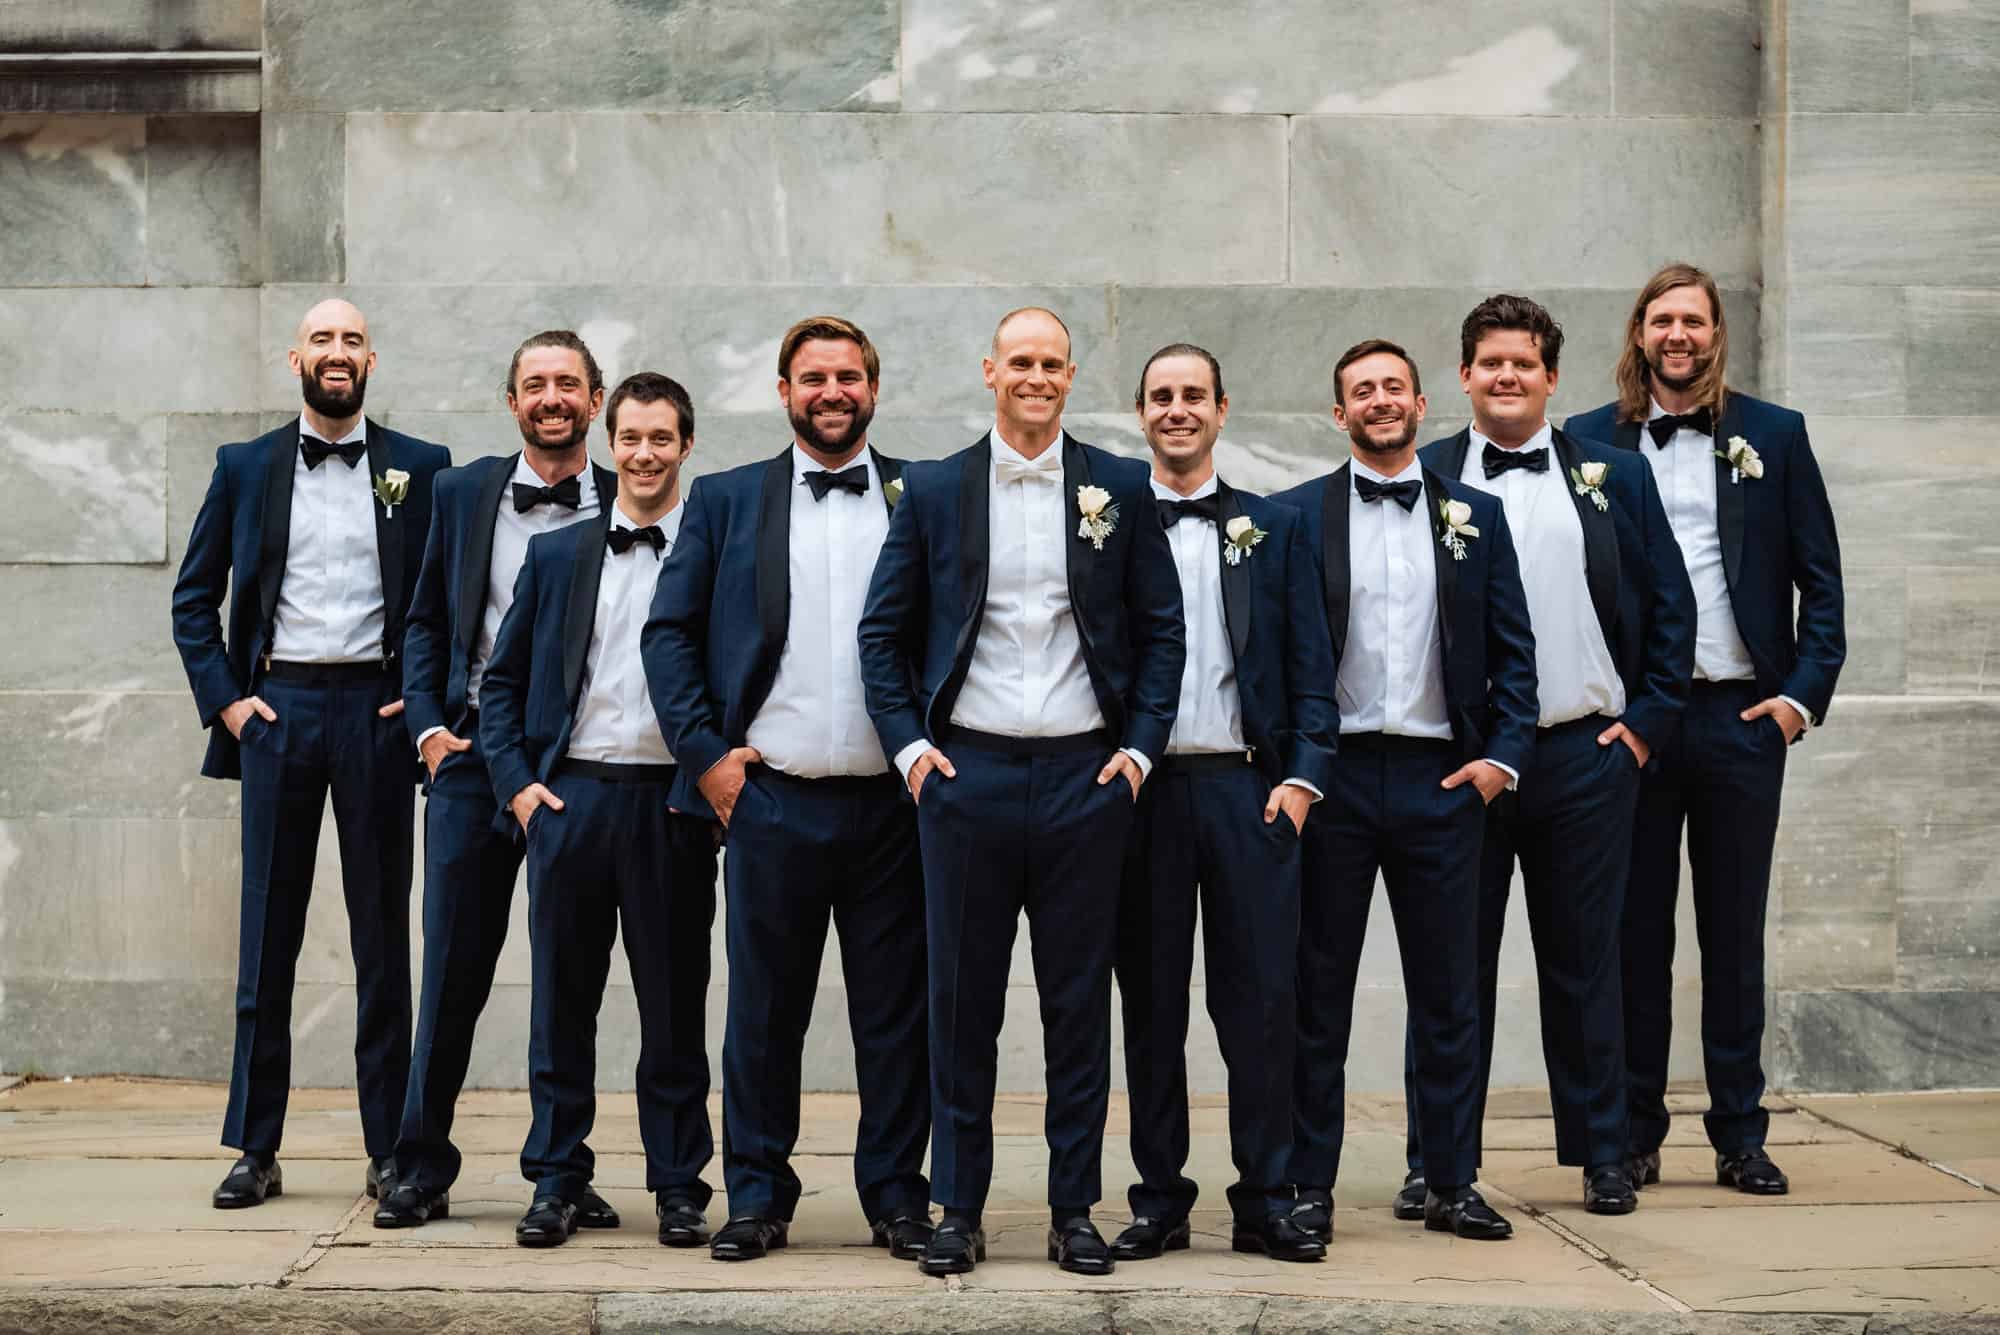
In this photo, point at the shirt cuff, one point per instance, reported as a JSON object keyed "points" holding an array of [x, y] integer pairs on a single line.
{"points": [[1513, 775], [1804, 713], [425, 736], [1317, 795], [910, 755], [1139, 758]]}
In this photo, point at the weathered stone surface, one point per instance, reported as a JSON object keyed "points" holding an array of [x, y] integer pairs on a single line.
{"points": [[789, 55], [1674, 58], [201, 200], [1371, 199], [302, 197], [1948, 943], [1954, 56], [1846, 55], [1954, 335], [264, 1311], [148, 25], [106, 753], [1878, 626], [1833, 908], [1885, 1040], [1291, 57], [483, 198], [1909, 493], [1954, 629], [89, 490], [138, 343], [72, 199], [1893, 199], [192, 440]]}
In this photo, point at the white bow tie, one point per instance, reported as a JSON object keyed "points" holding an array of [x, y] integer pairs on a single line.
{"points": [[1025, 470]]}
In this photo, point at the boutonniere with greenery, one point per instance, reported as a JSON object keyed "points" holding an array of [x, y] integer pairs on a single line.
{"points": [[1588, 479], [1100, 516], [1743, 461], [1457, 516], [892, 491], [1243, 534], [392, 485]]}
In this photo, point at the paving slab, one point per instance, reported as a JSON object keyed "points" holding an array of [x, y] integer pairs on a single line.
{"points": [[1836, 1174], [145, 1258], [1947, 1128], [1685, 1131], [586, 1269], [105, 1195]]}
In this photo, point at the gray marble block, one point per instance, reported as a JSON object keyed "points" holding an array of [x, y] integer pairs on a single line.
{"points": [[85, 489]]}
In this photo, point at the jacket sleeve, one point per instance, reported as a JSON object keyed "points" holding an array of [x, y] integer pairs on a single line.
{"points": [[892, 628], [1814, 549], [197, 608], [503, 693], [1512, 705], [427, 636], [1666, 645], [673, 646], [1158, 629], [1310, 673]]}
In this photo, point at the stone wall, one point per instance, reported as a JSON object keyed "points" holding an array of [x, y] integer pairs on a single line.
{"points": [[1275, 181]]}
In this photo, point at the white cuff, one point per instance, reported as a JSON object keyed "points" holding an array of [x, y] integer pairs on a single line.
{"points": [[426, 735], [1317, 795], [909, 756], [1139, 758], [1513, 775], [1804, 713]]}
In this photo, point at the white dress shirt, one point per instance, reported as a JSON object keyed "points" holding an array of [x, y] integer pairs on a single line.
{"points": [[330, 604], [511, 531], [614, 712], [1391, 676], [1575, 674], [814, 723]]}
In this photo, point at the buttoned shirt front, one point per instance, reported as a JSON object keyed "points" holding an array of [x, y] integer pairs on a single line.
{"points": [[1210, 718], [1685, 470], [1391, 675], [615, 722], [330, 604]]}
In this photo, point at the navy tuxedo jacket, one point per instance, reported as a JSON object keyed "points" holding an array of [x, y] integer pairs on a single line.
{"points": [[928, 598], [1279, 642], [1777, 535], [449, 604], [528, 698], [238, 547], [721, 612], [1632, 565], [1488, 647]]}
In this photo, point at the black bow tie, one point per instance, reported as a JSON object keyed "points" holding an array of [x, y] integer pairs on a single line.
{"points": [[1172, 511], [1497, 461], [1402, 493], [315, 450], [852, 480], [567, 493], [1662, 428], [623, 540]]}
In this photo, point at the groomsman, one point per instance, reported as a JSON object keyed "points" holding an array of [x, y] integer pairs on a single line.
{"points": [[314, 532], [481, 521], [1251, 749], [1436, 688], [751, 656], [1022, 651], [1614, 644], [580, 765], [1749, 510]]}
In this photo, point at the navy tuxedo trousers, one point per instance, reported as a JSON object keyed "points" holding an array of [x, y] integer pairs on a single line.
{"points": [[328, 735], [1722, 780], [469, 871], [1014, 833], [1202, 825], [801, 851], [1386, 812], [615, 861], [1570, 828]]}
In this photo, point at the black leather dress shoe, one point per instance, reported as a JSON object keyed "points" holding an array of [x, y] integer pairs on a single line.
{"points": [[1645, 1170], [1278, 1238], [905, 1236], [1466, 1214], [1608, 1190], [1075, 1245], [249, 1183], [407, 1205], [549, 1222], [1409, 1202], [1146, 1238], [1313, 1214], [953, 1250], [381, 1177], [593, 1211], [748, 1237], [1751, 1171], [682, 1223]]}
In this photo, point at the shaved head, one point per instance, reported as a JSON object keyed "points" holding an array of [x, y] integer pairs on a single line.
{"points": [[333, 313], [1026, 312], [332, 360]]}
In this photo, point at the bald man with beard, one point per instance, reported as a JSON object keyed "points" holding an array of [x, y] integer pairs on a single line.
{"points": [[314, 532]]}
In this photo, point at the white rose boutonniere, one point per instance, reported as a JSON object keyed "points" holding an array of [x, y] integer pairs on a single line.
{"points": [[391, 486], [1457, 516], [1743, 461], [892, 491], [1588, 479], [1243, 534], [1100, 516]]}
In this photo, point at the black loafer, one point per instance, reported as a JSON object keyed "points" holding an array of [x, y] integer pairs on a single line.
{"points": [[1645, 1170], [1467, 1215], [1751, 1171], [1409, 1202], [248, 1183], [1146, 1238], [549, 1222], [1277, 1237], [1608, 1190], [381, 1177], [954, 1249], [407, 1205], [1077, 1246], [905, 1236], [682, 1223], [1313, 1215], [593, 1211], [748, 1237]]}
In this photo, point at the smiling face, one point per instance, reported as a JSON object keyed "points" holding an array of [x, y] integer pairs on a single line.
{"points": [[332, 359], [647, 449], [829, 398], [552, 401], [1508, 384], [1030, 374], [1180, 413], [1676, 336], [1379, 407]]}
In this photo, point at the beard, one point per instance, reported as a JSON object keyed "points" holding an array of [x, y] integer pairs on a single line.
{"points": [[1678, 383], [1358, 433], [334, 403], [579, 432], [856, 432]]}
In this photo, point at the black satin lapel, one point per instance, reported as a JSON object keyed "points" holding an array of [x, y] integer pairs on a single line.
{"points": [[1335, 560], [580, 614], [279, 464], [774, 556], [607, 486], [1600, 543], [1435, 493], [886, 472], [1628, 435], [1236, 591], [388, 544], [1729, 496], [1452, 462], [478, 558], [974, 536], [1078, 551]]}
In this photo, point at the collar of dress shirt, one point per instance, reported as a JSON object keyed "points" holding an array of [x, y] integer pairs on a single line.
{"points": [[586, 481], [1042, 460], [1163, 492], [359, 432], [1415, 470], [670, 522], [1545, 436], [803, 463]]}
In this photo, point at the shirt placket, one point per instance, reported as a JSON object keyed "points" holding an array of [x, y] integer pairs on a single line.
{"points": [[835, 529], [1395, 613]]}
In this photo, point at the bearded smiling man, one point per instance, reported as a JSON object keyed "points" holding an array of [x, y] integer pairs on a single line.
{"points": [[314, 532]]}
